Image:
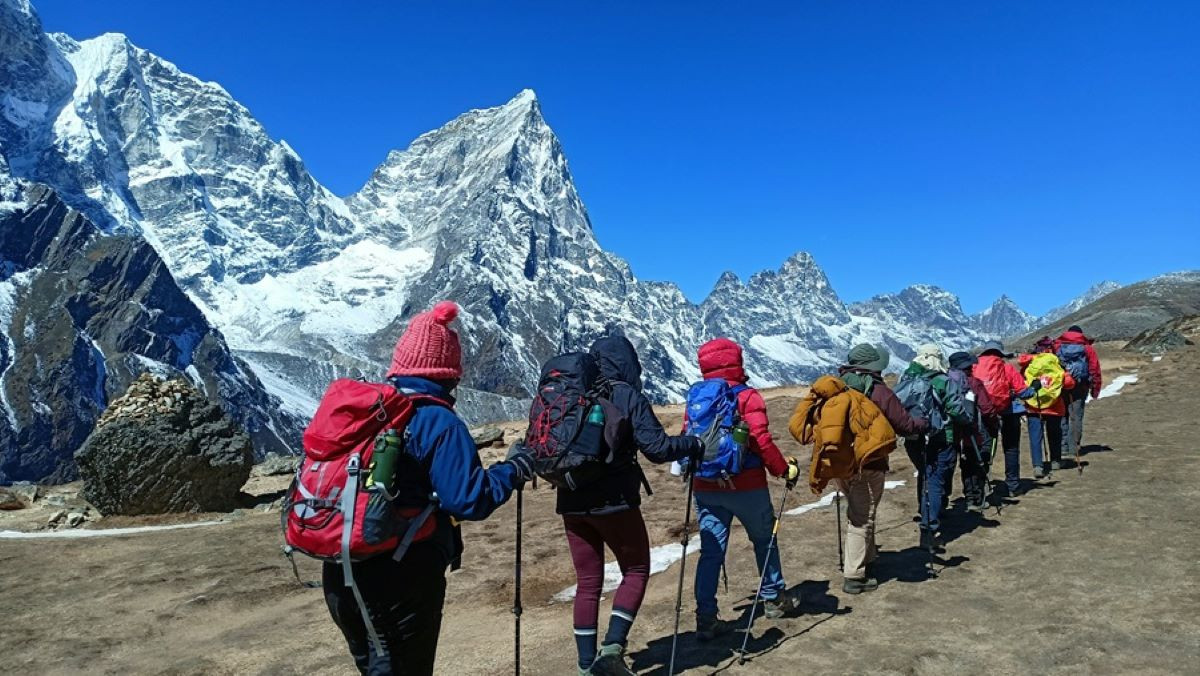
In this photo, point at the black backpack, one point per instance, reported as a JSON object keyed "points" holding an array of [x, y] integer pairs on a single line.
{"points": [[570, 447]]}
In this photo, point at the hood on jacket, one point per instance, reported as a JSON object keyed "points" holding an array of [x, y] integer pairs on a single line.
{"points": [[721, 358], [618, 360], [1074, 337]]}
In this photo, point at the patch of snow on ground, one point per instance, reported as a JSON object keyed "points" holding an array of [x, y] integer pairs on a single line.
{"points": [[827, 499], [1114, 388], [97, 532], [1157, 358]]}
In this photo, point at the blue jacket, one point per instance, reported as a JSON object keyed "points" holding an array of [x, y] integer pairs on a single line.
{"points": [[438, 439]]}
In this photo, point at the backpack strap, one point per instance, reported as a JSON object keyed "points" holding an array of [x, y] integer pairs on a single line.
{"points": [[349, 498]]}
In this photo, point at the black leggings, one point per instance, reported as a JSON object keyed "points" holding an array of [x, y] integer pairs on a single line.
{"points": [[405, 601]]}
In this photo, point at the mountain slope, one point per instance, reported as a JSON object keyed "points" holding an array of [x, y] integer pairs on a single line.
{"points": [[1004, 318], [1093, 294], [1122, 314], [81, 315]]}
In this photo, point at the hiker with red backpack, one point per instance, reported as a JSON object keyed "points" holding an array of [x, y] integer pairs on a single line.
{"points": [[388, 468], [863, 371], [1079, 358], [1005, 387], [974, 438], [732, 482], [587, 424], [1045, 410]]}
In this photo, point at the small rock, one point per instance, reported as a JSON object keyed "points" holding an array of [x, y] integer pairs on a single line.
{"points": [[26, 491], [487, 436], [75, 519], [275, 464], [10, 500], [56, 517]]}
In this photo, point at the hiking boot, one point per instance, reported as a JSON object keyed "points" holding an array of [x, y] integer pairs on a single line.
{"points": [[1039, 473], [610, 661], [854, 586], [709, 627], [1055, 465], [780, 605]]}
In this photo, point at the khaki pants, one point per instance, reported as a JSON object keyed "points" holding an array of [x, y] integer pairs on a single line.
{"points": [[863, 493]]}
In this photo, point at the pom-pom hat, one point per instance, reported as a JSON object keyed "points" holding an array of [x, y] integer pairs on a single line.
{"points": [[429, 348]]}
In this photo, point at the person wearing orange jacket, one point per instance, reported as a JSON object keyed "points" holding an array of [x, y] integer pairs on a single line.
{"points": [[1006, 388], [744, 495], [1046, 420]]}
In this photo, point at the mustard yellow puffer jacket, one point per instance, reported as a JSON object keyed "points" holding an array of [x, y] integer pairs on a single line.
{"points": [[846, 429]]}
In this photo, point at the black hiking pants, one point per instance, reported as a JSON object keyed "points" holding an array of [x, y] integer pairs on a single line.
{"points": [[405, 602], [1010, 439], [974, 474]]}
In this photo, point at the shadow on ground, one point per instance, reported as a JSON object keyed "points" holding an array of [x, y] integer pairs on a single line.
{"points": [[723, 651]]}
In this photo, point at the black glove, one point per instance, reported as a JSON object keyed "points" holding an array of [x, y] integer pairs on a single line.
{"points": [[522, 462], [696, 456], [1036, 384]]}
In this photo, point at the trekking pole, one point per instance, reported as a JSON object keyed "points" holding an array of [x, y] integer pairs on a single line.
{"points": [[687, 523], [763, 576], [517, 609], [837, 501]]}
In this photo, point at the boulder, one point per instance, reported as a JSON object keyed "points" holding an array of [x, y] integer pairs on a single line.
{"points": [[26, 491], [164, 447], [10, 500], [487, 436], [275, 464]]}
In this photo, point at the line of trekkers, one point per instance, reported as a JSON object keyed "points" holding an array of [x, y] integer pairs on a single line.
{"points": [[390, 470]]}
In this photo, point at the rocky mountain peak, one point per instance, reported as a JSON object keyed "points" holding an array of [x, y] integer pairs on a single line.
{"points": [[1004, 318]]}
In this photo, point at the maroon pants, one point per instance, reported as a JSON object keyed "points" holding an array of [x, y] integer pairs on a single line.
{"points": [[625, 534]]}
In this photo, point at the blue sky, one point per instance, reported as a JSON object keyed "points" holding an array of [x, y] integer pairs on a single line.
{"points": [[1029, 148]]}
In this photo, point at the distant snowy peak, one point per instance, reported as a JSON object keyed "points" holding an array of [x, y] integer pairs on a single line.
{"points": [[506, 156], [1096, 292], [1004, 318], [916, 305]]}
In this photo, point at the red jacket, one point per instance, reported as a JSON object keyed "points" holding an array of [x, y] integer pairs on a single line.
{"points": [[1058, 408], [1095, 378], [722, 358]]}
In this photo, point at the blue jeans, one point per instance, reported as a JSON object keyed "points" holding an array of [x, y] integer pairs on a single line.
{"points": [[1054, 438], [715, 511], [935, 471]]}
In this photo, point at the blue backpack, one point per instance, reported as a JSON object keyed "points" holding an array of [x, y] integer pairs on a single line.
{"points": [[712, 414], [1074, 361]]}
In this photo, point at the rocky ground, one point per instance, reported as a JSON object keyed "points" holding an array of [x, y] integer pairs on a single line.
{"points": [[1085, 574]]}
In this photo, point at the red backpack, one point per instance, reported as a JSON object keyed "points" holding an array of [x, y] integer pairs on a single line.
{"points": [[329, 512]]}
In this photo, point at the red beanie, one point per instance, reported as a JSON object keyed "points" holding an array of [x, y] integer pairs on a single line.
{"points": [[429, 347], [722, 358]]}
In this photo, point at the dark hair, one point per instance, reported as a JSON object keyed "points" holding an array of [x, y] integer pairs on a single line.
{"points": [[1075, 328]]}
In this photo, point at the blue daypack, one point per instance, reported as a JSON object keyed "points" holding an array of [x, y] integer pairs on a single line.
{"points": [[712, 413], [1073, 357]]}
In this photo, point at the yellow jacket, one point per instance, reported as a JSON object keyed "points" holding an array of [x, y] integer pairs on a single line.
{"points": [[846, 429]]}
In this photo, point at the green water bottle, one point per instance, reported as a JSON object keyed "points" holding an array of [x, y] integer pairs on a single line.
{"points": [[387, 452], [741, 433], [596, 415]]}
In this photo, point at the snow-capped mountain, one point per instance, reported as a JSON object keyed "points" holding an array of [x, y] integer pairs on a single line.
{"points": [[81, 315], [1095, 293], [1004, 318], [305, 286]]}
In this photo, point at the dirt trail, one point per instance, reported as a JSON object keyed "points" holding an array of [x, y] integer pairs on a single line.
{"points": [[1086, 574]]}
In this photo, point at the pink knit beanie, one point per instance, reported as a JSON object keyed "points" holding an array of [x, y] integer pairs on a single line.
{"points": [[429, 347]]}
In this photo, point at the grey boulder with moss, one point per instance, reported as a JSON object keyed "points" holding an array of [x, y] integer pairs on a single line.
{"points": [[164, 447]]}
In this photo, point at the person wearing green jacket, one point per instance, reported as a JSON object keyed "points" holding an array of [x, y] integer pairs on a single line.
{"points": [[926, 391]]}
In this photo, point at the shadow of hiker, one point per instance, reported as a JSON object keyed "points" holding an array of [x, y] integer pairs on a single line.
{"points": [[1095, 448], [958, 522], [911, 565], [692, 654]]}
